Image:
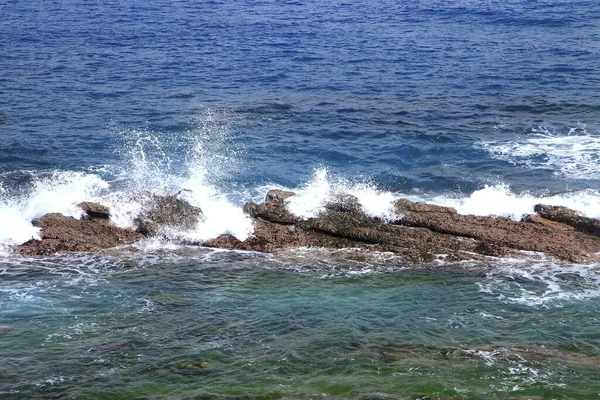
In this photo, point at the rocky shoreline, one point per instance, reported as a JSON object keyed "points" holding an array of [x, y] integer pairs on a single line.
{"points": [[418, 232]]}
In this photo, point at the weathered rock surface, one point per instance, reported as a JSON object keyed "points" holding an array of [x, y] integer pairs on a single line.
{"points": [[270, 212], [278, 196], [569, 217], [167, 212], [344, 202], [225, 241], [342, 225], [420, 233], [499, 231], [59, 233], [536, 219]]}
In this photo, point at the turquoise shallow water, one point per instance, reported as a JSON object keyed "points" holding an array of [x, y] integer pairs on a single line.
{"points": [[194, 323]]}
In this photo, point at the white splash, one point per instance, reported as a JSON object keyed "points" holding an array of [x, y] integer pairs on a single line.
{"points": [[59, 192], [500, 201], [312, 197], [209, 156]]}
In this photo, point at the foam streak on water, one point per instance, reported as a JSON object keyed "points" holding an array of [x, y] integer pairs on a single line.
{"points": [[574, 155]]}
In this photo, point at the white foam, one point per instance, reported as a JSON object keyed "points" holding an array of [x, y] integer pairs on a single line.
{"points": [[499, 200], [311, 198], [542, 284], [574, 155], [60, 192]]}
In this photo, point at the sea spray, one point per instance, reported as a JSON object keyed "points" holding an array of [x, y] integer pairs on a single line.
{"points": [[199, 174], [497, 200], [58, 192], [311, 198]]}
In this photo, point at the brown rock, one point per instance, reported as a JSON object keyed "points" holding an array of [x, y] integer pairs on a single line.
{"points": [[536, 219], [565, 215], [417, 245], [278, 196], [167, 211], [499, 231], [270, 212], [274, 230], [344, 202], [225, 241], [491, 249], [60, 233], [95, 210]]}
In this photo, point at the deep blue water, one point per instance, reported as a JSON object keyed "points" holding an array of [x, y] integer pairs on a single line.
{"points": [[398, 92], [485, 105]]}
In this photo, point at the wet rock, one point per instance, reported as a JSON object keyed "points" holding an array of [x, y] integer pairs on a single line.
{"points": [[167, 212], [271, 236], [270, 212], [95, 210], [60, 233], [498, 231], [422, 233], [406, 206], [491, 249], [417, 245], [225, 241], [536, 219], [564, 215], [343, 202], [276, 229], [277, 196]]}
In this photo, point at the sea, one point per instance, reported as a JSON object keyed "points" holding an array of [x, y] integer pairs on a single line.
{"points": [[487, 106]]}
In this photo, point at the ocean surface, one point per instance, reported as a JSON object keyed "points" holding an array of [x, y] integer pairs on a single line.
{"points": [[487, 106]]}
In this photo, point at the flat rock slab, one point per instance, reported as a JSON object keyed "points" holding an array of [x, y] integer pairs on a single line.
{"points": [[500, 231], [60, 233]]}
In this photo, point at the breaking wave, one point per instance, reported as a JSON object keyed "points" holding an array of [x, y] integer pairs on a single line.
{"points": [[199, 165]]}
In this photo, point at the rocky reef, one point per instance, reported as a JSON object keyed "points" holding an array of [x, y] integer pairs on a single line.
{"points": [[416, 232]]}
